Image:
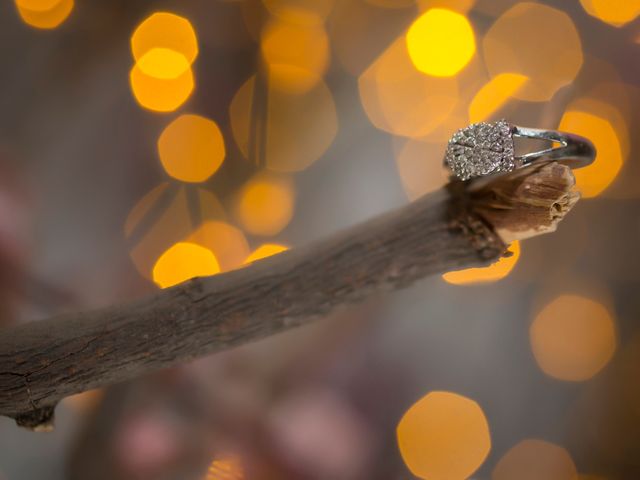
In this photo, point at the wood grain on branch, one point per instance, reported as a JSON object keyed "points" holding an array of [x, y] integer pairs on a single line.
{"points": [[457, 227]]}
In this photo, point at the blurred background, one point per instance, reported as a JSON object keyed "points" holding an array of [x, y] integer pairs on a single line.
{"points": [[143, 143]]}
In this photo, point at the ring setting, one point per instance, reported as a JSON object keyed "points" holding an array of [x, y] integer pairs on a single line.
{"points": [[484, 148]]}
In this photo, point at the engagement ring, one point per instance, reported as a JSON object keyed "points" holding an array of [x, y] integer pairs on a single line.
{"points": [[483, 149]]}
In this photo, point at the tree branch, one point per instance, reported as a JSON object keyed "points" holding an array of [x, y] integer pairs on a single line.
{"points": [[456, 227]]}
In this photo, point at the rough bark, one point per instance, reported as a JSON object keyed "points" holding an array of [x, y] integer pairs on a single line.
{"points": [[459, 226]]}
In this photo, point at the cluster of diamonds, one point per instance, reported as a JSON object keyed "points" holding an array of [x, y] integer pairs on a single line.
{"points": [[481, 149]]}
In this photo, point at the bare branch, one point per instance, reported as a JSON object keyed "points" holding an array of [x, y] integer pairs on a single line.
{"points": [[43, 362]]}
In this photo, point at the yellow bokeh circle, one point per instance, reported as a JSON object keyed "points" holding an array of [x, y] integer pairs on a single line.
{"points": [[165, 30], [537, 41], [182, 261], [444, 436], [44, 14], [227, 242], [265, 204], [301, 12], [160, 94], [534, 459], [441, 42], [401, 100], [264, 251], [573, 338], [613, 12], [494, 94], [37, 5], [191, 148], [286, 125], [163, 63], [303, 47], [492, 273], [595, 178]]}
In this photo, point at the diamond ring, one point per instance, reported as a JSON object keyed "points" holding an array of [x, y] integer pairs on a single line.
{"points": [[483, 149]]}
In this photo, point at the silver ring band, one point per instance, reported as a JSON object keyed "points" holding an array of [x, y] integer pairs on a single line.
{"points": [[483, 149]]}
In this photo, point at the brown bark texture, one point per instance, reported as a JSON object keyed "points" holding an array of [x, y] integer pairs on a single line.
{"points": [[462, 225]]}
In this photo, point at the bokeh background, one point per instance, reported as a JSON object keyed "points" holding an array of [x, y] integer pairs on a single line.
{"points": [[142, 143]]}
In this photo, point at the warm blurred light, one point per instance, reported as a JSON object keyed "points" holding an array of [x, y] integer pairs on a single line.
{"points": [[494, 94], [595, 178], [300, 126], [165, 216], [611, 102], [86, 401], [537, 41], [458, 118], [444, 436], [37, 5], [265, 204], [573, 338], [225, 468], [160, 94], [535, 460], [227, 243], [614, 102], [264, 251], [613, 12], [420, 167], [45, 14], [183, 261], [163, 63], [165, 31], [492, 273], [356, 37], [143, 207], [191, 148], [462, 6], [392, 3], [302, 12], [305, 47], [441, 42], [400, 100]]}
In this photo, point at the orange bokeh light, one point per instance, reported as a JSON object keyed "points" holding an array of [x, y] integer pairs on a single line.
{"points": [[228, 243], [163, 63], [44, 14], [399, 99], [533, 459], [304, 47], [537, 41], [392, 3], [191, 148], [225, 468], [613, 12], [295, 129], [419, 167], [444, 436], [441, 42], [183, 261], [302, 12], [37, 5], [86, 401], [462, 6], [160, 94], [492, 273], [166, 31], [494, 94], [264, 251], [163, 217], [594, 179], [573, 338], [265, 204]]}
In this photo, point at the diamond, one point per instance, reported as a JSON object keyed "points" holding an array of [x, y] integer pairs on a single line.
{"points": [[481, 149]]}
